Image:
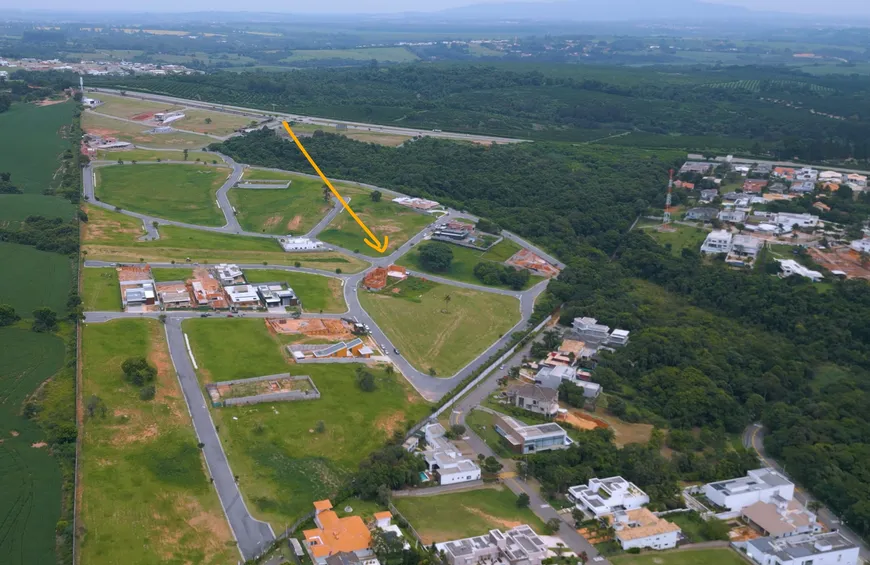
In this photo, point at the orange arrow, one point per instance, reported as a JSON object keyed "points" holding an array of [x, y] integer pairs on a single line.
{"points": [[371, 241]]}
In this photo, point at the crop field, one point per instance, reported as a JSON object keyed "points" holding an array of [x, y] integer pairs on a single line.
{"points": [[383, 218], [282, 463], [455, 332], [100, 291], [185, 193], [714, 556], [317, 293], [110, 236], [758, 85], [41, 279], [30, 479], [14, 208], [127, 107], [32, 154], [381, 54], [137, 134], [293, 210], [214, 123], [146, 497], [147, 155]]}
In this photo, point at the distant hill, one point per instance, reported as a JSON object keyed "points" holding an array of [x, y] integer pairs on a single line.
{"points": [[596, 10]]}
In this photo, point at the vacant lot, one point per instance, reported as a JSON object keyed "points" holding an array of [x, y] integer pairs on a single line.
{"points": [[214, 123], [381, 54], [146, 495], [463, 514], [126, 107], [716, 556], [683, 237], [184, 193], [32, 153], [282, 463], [100, 290], [148, 155], [30, 480], [383, 218], [171, 274], [41, 279], [317, 293], [360, 135], [137, 133], [455, 332], [294, 210]]}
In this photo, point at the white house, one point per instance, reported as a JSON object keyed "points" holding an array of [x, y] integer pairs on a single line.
{"points": [[861, 245], [717, 241], [791, 267], [830, 176], [859, 181], [243, 296], [384, 521], [229, 274], [535, 398], [758, 484], [517, 546], [734, 216], [831, 548], [445, 461], [789, 221], [641, 529], [299, 244], [781, 518], [602, 497], [594, 334]]}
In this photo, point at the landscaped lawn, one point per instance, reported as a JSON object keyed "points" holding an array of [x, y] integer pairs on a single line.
{"points": [[146, 495], [292, 210], [464, 261], [111, 236], [100, 290], [382, 218], [481, 423], [715, 556], [432, 333], [684, 237], [184, 193], [283, 465], [317, 293], [465, 514], [137, 133]]}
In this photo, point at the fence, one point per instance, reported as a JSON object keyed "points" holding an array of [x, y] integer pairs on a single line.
{"points": [[398, 514], [287, 396]]}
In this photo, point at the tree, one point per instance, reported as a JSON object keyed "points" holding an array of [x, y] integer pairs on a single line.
{"points": [[436, 256], [491, 465], [365, 380], [147, 392], [185, 154], [137, 371], [376, 195], [514, 372], [8, 316], [44, 320], [95, 407], [320, 427], [326, 193], [553, 525], [523, 500], [447, 299], [386, 544], [208, 120], [552, 339]]}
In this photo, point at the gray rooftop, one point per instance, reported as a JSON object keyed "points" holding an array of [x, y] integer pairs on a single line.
{"points": [[806, 545]]}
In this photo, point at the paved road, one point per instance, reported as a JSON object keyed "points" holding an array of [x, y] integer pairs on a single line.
{"points": [[753, 438], [253, 536]]}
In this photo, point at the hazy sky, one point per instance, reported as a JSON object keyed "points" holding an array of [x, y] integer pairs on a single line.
{"points": [[828, 7]]}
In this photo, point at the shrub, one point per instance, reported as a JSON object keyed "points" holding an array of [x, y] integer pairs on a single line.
{"points": [[147, 392]]}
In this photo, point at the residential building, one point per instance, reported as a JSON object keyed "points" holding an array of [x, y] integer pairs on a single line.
{"points": [[416, 203], [602, 497], [821, 206], [806, 174], [758, 484], [777, 188], [641, 529], [376, 279], [276, 295], [594, 334], [229, 274], [137, 287], [173, 295], [354, 348], [207, 291], [733, 216], [830, 548], [717, 241], [701, 214], [742, 169], [535, 398], [803, 187], [397, 272], [700, 167], [856, 180], [744, 249], [790, 221], [791, 267], [754, 185], [731, 196], [708, 195], [384, 522], [243, 296], [299, 244], [517, 546], [861, 245], [346, 558], [784, 173], [830, 176], [444, 461], [762, 169], [530, 439], [780, 518], [335, 535], [831, 186]]}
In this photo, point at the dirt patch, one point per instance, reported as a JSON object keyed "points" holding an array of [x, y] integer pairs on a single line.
{"points": [[501, 523], [13, 433], [102, 132], [50, 102], [387, 228], [99, 228], [390, 422], [582, 421], [143, 116], [125, 437], [294, 223], [623, 432], [272, 221], [38, 445]]}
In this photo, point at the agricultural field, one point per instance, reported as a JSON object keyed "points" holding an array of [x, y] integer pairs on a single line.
{"points": [[381, 54], [147, 155], [282, 463], [32, 154], [41, 279], [14, 208], [464, 261], [138, 134], [146, 497], [714, 556], [110, 236], [757, 85], [184, 193], [471, 513], [455, 332], [30, 478], [317, 293], [293, 210], [130, 108], [100, 291], [383, 218]]}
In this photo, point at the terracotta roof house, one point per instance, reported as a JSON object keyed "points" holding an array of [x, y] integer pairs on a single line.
{"points": [[335, 535], [754, 185], [376, 279]]}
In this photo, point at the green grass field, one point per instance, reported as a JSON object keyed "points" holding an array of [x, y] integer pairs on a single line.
{"points": [[146, 495], [14, 208], [32, 154], [294, 210], [137, 134], [382, 218], [30, 479], [41, 279], [464, 514], [171, 274], [100, 291], [684, 237], [126, 107], [448, 340], [184, 193], [283, 466], [715, 556], [148, 155], [464, 261], [110, 236], [482, 424], [214, 123], [316, 292], [381, 54]]}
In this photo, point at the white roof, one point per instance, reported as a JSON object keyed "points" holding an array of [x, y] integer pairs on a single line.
{"points": [[242, 293]]}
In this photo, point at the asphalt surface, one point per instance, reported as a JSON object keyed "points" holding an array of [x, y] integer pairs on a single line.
{"points": [[753, 438]]}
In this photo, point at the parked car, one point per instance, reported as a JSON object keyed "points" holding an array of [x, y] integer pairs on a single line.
{"points": [[396, 351], [206, 315]]}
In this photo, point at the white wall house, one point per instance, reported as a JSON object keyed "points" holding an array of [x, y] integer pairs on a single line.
{"points": [[518, 546], [861, 245], [791, 267], [602, 497], [789, 221], [642, 529], [445, 461], [808, 549], [758, 484], [299, 244], [717, 241]]}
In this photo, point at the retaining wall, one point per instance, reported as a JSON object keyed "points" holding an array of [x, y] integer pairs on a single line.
{"points": [[288, 396]]}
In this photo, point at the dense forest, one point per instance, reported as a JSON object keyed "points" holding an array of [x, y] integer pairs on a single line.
{"points": [[712, 349], [581, 106]]}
